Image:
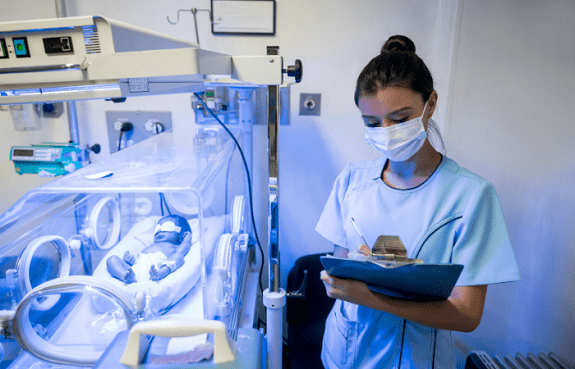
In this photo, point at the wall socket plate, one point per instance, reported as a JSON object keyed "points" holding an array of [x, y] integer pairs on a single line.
{"points": [[145, 124], [309, 104]]}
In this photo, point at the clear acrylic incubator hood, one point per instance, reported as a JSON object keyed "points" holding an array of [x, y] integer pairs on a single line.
{"points": [[56, 240]]}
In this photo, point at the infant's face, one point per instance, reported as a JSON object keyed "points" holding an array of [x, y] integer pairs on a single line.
{"points": [[167, 236]]}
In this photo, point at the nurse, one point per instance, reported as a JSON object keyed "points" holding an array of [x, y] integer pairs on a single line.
{"points": [[442, 212]]}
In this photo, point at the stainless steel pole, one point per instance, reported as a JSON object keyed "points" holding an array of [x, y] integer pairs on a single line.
{"points": [[273, 190], [274, 297]]}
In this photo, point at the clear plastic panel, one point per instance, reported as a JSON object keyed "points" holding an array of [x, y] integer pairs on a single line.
{"points": [[108, 222]]}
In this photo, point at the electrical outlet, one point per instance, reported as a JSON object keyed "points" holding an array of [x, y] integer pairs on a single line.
{"points": [[309, 104], [145, 124]]}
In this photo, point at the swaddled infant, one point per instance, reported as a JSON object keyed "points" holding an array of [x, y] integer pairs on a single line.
{"points": [[172, 241]]}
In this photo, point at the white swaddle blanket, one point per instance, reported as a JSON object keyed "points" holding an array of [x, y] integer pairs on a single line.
{"points": [[144, 262], [168, 291]]}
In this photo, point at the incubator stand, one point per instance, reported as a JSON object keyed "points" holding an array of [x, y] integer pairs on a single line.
{"points": [[55, 241]]}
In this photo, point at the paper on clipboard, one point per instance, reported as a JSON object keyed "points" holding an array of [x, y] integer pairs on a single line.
{"points": [[411, 280]]}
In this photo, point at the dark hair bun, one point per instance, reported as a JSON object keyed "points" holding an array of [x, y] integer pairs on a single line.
{"points": [[398, 43]]}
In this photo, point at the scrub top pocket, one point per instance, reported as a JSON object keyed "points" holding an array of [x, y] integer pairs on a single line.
{"points": [[339, 339]]}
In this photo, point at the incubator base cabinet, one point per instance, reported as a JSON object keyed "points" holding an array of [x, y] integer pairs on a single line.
{"points": [[60, 244]]}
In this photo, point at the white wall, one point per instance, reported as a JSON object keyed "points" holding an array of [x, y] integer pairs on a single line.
{"points": [[505, 115], [512, 122]]}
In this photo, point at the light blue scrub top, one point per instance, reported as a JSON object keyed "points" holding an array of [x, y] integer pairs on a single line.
{"points": [[453, 217]]}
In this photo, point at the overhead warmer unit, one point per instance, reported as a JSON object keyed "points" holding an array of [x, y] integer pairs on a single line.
{"points": [[94, 57]]}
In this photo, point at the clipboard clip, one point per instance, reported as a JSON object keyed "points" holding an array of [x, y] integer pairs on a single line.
{"points": [[390, 249]]}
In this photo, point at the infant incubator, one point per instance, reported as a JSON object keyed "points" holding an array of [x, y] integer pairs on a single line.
{"points": [[54, 243], [60, 307]]}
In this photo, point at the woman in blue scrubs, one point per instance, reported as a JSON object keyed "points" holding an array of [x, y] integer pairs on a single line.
{"points": [[442, 212]]}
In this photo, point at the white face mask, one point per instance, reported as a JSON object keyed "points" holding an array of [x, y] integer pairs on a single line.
{"points": [[400, 141]]}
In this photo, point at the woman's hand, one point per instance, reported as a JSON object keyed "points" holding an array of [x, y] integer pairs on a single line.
{"points": [[349, 290], [361, 253]]}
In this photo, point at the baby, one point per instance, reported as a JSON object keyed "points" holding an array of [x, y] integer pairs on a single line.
{"points": [[172, 241]]}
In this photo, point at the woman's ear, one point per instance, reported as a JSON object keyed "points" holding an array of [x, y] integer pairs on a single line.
{"points": [[431, 105]]}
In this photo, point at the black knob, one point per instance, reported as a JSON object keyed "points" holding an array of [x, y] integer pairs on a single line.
{"points": [[295, 71], [127, 127], [96, 148], [158, 127], [48, 108]]}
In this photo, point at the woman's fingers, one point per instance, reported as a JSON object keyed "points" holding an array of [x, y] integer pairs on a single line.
{"points": [[363, 249], [330, 285], [326, 278]]}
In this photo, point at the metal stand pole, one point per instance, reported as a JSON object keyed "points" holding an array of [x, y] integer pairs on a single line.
{"points": [[274, 303], [274, 297]]}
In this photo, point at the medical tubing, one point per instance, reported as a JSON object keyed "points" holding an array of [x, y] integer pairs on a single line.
{"points": [[120, 148], [120, 141], [249, 184], [162, 197], [227, 181], [84, 250], [162, 203], [126, 127], [166, 203]]}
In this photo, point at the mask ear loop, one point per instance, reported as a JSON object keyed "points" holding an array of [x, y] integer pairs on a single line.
{"points": [[423, 114]]}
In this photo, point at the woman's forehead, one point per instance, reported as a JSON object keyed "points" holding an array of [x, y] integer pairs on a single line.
{"points": [[389, 99]]}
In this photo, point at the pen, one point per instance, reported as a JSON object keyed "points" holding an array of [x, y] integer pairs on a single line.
{"points": [[359, 232]]}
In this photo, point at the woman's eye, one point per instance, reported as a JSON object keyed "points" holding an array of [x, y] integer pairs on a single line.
{"points": [[400, 120], [371, 123]]}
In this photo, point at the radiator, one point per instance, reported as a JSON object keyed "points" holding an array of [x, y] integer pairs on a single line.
{"points": [[481, 360]]}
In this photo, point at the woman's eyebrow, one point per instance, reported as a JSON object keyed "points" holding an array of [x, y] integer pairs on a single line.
{"points": [[399, 111], [395, 112]]}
